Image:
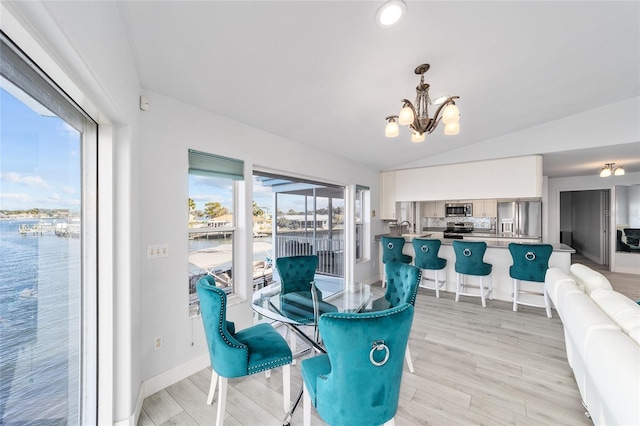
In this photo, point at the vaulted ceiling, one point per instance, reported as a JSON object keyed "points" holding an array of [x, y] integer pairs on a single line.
{"points": [[323, 74]]}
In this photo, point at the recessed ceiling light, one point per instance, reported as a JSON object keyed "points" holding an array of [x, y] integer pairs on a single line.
{"points": [[390, 13]]}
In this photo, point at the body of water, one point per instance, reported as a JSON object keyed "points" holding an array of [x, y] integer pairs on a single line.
{"points": [[39, 326]]}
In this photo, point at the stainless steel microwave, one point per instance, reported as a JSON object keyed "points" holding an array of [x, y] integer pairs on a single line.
{"points": [[458, 210]]}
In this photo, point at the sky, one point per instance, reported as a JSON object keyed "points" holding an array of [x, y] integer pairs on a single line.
{"points": [[39, 159], [40, 166]]}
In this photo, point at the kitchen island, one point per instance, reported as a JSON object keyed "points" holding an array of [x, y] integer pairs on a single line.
{"points": [[498, 255]]}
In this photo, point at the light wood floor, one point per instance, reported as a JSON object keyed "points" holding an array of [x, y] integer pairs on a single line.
{"points": [[473, 366]]}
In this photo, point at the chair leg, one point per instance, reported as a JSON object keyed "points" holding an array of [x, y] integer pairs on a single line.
{"points": [[306, 407], [515, 295], [390, 422], [482, 294], [267, 374], [437, 284], [407, 356], [458, 285], [490, 292], [222, 401], [286, 387], [384, 276], [212, 386]]}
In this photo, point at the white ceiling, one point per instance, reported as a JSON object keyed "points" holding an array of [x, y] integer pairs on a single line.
{"points": [[323, 74]]}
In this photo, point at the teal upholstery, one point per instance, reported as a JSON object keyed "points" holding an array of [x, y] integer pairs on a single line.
{"points": [[470, 261], [392, 250], [344, 385], [402, 283], [402, 287], [530, 261], [252, 350], [296, 272], [237, 354], [426, 251], [470, 258]]}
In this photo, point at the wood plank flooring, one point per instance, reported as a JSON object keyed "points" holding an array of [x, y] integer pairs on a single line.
{"points": [[473, 366]]}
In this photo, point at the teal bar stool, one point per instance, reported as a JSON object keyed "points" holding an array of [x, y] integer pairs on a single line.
{"points": [[392, 252], [530, 264], [470, 261], [426, 251]]}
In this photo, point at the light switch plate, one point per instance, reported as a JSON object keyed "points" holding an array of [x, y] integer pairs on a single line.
{"points": [[155, 251]]}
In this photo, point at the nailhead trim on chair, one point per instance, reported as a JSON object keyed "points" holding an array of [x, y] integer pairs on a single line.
{"points": [[223, 309], [377, 314], [271, 364]]}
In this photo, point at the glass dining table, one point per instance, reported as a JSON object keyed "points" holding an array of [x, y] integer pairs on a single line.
{"points": [[304, 308]]}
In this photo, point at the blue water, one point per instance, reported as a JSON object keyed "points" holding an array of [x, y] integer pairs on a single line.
{"points": [[39, 326]]}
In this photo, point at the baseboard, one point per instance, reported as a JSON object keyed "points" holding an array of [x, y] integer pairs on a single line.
{"points": [[166, 379], [133, 419]]}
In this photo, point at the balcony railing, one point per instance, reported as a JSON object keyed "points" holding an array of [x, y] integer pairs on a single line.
{"points": [[330, 252]]}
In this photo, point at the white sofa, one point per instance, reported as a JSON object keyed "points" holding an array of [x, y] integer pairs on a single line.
{"points": [[602, 336]]}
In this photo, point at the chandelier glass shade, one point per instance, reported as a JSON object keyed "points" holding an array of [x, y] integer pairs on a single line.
{"points": [[609, 169], [416, 116]]}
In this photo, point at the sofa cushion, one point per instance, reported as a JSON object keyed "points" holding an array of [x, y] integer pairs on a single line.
{"points": [[588, 279], [613, 379], [622, 310], [554, 281], [634, 333]]}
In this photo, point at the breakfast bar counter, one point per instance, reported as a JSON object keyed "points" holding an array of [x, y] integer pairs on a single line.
{"points": [[498, 255]]}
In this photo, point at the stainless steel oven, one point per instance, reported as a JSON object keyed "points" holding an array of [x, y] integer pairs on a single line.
{"points": [[458, 210]]}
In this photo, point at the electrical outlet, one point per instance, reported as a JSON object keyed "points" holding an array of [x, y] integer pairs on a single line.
{"points": [[157, 343]]}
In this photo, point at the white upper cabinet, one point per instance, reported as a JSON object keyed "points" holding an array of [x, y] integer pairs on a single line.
{"points": [[516, 177], [388, 195]]}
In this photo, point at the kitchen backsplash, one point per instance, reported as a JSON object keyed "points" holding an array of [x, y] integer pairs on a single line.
{"points": [[478, 222]]}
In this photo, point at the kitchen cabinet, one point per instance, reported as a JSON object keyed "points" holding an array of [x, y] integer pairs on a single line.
{"points": [[485, 208], [433, 209], [388, 195]]}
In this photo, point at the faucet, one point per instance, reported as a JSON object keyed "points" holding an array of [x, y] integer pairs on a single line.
{"points": [[408, 223]]}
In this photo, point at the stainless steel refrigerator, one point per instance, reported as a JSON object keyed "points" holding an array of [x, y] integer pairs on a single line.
{"points": [[520, 218]]}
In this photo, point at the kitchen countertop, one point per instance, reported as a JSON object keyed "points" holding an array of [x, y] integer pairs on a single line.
{"points": [[493, 241]]}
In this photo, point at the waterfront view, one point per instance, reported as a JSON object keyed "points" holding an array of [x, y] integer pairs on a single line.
{"points": [[39, 277]]}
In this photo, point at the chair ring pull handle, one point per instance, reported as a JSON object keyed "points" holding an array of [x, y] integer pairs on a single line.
{"points": [[390, 246], [379, 345], [466, 252], [530, 255], [424, 249]]}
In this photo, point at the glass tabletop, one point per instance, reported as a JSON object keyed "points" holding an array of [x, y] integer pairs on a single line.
{"points": [[298, 307]]}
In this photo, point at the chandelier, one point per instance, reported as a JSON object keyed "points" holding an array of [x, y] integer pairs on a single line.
{"points": [[608, 170], [417, 117]]}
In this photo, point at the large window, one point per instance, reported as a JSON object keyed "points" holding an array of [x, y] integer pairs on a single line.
{"points": [[48, 278], [308, 218], [211, 223], [362, 221]]}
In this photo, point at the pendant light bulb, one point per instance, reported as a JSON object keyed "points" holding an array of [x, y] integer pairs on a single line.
{"points": [[451, 114], [406, 116], [392, 130]]}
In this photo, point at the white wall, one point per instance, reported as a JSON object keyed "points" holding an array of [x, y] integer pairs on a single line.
{"points": [[619, 262]]}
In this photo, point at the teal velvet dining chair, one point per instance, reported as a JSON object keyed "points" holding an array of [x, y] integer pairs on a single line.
{"points": [[357, 382], [402, 287], [426, 258], [238, 354], [392, 252], [530, 264], [470, 262]]}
